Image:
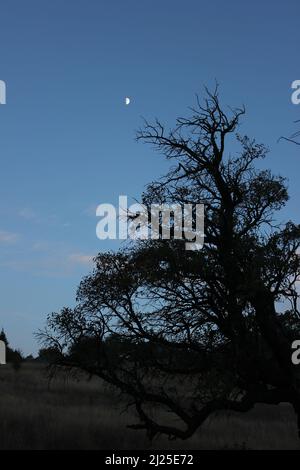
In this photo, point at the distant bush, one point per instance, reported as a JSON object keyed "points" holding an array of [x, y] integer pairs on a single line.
{"points": [[49, 355], [15, 358]]}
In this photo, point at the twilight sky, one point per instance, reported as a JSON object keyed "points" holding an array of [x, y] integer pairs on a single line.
{"points": [[67, 139]]}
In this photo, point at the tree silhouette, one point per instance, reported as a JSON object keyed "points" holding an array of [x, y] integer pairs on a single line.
{"points": [[202, 330], [3, 337], [294, 138]]}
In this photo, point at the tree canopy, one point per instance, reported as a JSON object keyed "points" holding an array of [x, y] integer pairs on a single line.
{"points": [[197, 331]]}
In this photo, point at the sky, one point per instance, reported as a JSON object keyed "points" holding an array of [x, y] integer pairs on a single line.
{"points": [[67, 139]]}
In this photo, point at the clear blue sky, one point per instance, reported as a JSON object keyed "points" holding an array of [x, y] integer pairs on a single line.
{"points": [[67, 139]]}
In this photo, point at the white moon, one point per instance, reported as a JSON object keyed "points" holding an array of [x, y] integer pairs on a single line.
{"points": [[127, 101]]}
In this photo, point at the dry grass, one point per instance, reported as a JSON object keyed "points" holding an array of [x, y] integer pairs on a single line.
{"points": [[82, 414]]}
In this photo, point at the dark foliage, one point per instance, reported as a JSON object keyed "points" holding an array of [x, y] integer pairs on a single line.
{"points": [[194, 332]]}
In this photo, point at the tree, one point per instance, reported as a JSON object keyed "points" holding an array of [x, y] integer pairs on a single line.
{"points": [[29, 358], [204, 329], [294, 138], [3, 337], [16, 358], [48, 355], [13, 356]]}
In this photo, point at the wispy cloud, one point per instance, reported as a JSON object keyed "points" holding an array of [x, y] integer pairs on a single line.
{"points": [[54, 265], [44, 258], [80, 258], [27, 213], [41, 246], [8, 237], [90, 210], [30, 215]]}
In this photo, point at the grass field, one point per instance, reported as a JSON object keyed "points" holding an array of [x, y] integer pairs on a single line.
{"points": [[82, 414]]}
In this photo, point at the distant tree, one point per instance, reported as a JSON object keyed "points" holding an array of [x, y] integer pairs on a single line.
{"points": [[3, 337], [204, 329], [48, 355], [29, 358], [15, 357]]}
